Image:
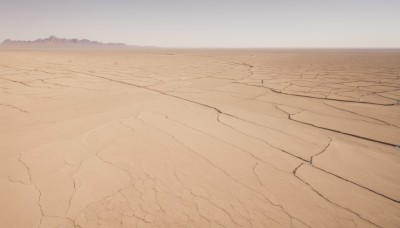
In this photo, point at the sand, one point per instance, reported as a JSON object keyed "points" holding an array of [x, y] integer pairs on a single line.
{"points": [[186, 138]]}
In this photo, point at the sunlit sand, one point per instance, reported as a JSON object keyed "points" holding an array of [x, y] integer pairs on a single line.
{"points": [[190, 138]]}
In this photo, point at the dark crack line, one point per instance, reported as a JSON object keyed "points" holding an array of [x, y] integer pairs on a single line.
{"points": [[250, 70], [325, 198], [319, 98], [14, 68], [35, 186], [358, 114], [26, 167], [66, 86], [295, 169], [14, 107], [255, 174], [366, 188], [289, 116], [16, 181], [326, 147], [72, 195], [345, 133], [22, 83]]}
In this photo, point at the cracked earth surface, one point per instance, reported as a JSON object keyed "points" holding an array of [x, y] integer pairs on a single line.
{"points": [[199, 139]]}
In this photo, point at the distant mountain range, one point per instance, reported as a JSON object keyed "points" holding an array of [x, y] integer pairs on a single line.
{"points": [[56, 42]]}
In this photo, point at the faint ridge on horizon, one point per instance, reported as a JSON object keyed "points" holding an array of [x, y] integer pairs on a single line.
{"points": [[55, 42]]}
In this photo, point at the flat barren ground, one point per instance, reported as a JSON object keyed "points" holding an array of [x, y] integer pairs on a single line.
{"points": [[199, 138]]}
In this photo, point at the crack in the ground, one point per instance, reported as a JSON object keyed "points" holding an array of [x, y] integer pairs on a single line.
{"points": [[358, 114], [255, 174], [322, 151], [14, 107], [250, 70], [35, 186], [289, 117], [359, 185], [318, 98], [325, 198], [345, 133], [19, 82]]}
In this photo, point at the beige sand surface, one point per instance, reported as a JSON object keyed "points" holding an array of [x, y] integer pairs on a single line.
{"points": [[199, 138]]}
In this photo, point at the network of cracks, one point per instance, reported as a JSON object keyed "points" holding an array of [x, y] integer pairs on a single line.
{"points": [[199, 139]]}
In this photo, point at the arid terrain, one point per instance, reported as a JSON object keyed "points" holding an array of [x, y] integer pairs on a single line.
{"points": [[199, 138]]}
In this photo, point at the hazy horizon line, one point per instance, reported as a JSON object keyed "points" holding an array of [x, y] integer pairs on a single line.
{"points": [[149, 47], [204, 47]]}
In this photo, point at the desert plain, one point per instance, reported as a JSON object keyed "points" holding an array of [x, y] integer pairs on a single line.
{"points": [[199, 138]]}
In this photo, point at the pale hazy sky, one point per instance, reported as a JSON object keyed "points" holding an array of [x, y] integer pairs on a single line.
{"points": [[208, 23]]}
